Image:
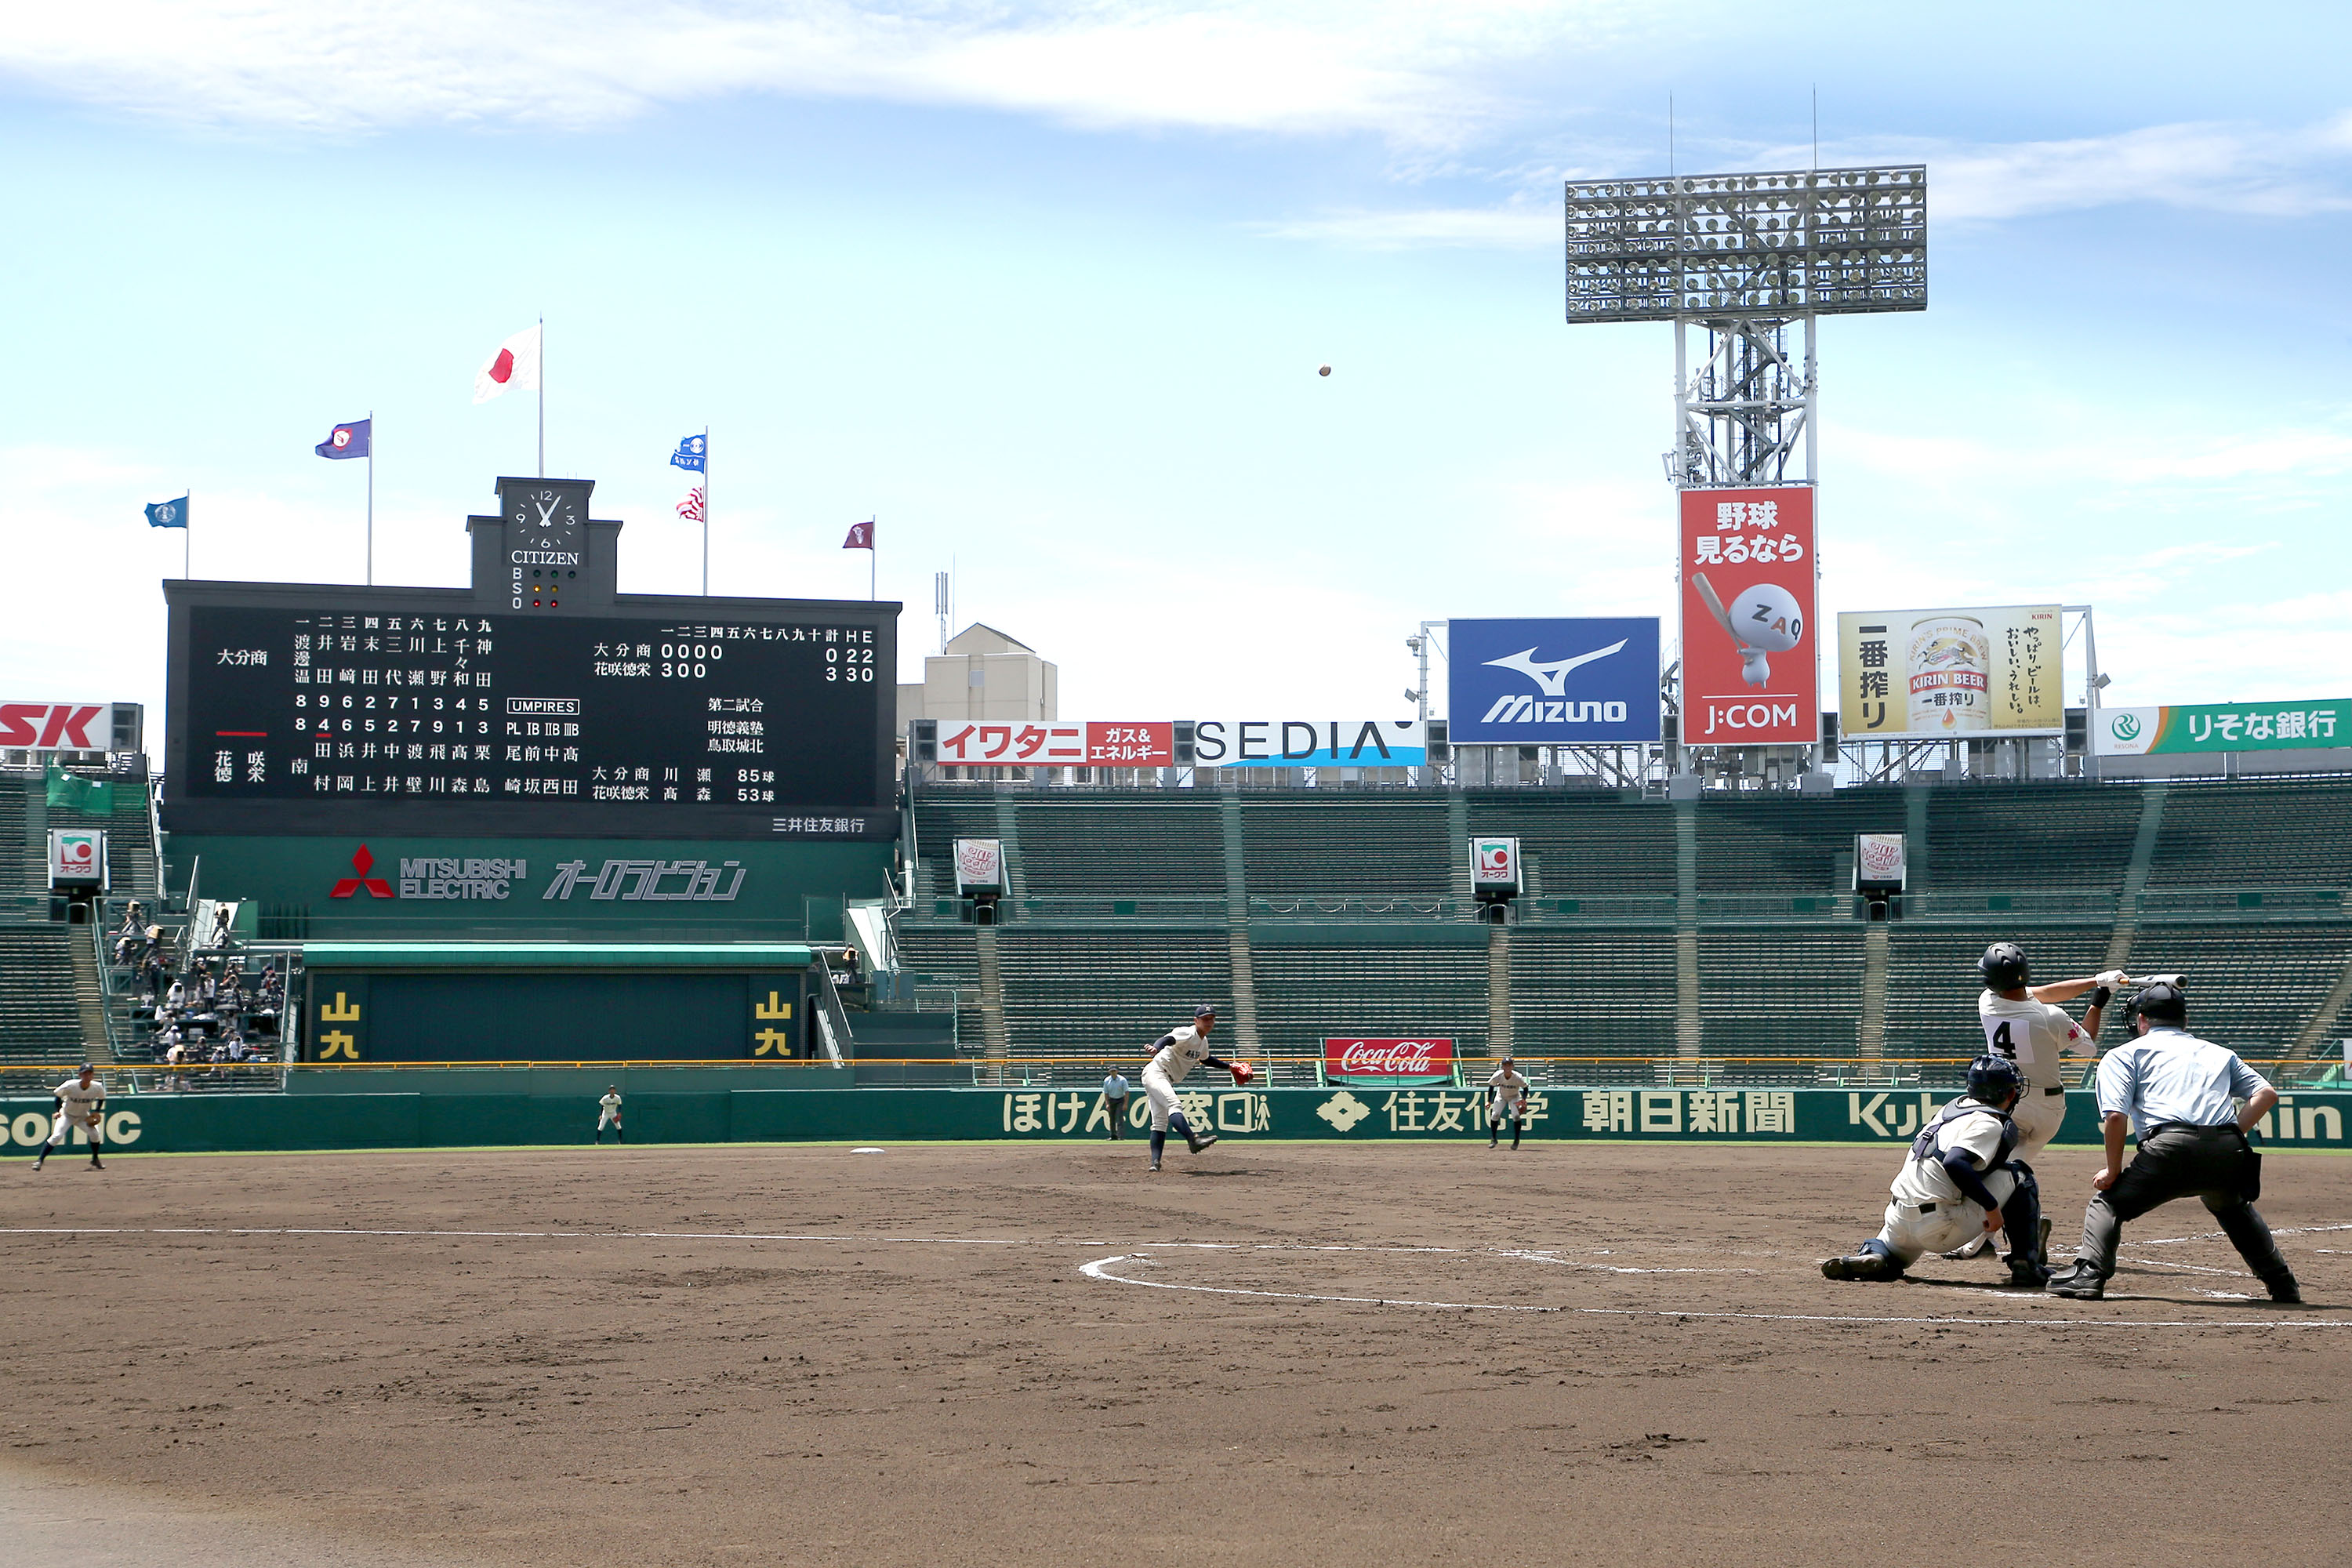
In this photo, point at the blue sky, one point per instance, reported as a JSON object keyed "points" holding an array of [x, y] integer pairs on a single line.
{"points": [[1044, 288]]}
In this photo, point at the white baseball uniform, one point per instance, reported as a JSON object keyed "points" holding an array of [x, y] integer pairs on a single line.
{"points": [[1928, 1214], [78, 1106], [2033, 1034], [612, 1113], [1180, 1050], [1505, 1093]]}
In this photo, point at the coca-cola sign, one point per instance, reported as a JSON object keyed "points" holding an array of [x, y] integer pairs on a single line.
{"points": [[1355, 1060]]}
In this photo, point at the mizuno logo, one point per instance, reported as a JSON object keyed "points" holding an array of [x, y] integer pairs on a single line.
{"points": [[1552, 679]]}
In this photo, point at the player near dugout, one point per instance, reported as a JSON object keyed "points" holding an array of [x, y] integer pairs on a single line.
{"points": [[1173, 1055]]}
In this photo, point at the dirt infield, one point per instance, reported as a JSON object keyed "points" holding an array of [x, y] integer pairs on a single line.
{"points": [[962, 1354]]}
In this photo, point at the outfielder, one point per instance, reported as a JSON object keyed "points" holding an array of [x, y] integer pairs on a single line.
{"points": [[2023, 1025], [1959, 1181], [80, 1102], [610, 1115], [1175, 1053], [1506, 1100]]}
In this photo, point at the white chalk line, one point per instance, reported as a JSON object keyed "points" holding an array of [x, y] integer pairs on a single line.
{"points": [[1101, 1269]]}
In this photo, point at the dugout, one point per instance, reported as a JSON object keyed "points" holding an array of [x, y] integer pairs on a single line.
{"points": [[556, 1002]]}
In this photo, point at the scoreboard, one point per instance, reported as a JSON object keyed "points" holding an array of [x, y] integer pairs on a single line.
{"points": [[317, 709]]}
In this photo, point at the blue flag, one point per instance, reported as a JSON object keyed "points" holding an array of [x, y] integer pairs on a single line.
{"points": [[347, 440], [168, 513], [690, 453]]}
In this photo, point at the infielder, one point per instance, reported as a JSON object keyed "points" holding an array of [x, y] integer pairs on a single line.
{"points": [[1175, 1053], [2023, 1025], [610, 1115], [1959, 1181], [80, 1102], [1506, 1100]]}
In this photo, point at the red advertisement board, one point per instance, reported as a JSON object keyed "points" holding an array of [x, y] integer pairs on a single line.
{"points": [[1751, 658], [1356, 1060], [1056, 743]]}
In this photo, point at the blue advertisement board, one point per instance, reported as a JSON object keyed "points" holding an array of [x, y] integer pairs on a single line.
{"points": [[1588, 681]]}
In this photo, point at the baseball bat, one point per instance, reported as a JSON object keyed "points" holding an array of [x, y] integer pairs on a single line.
{"points": [[1715, 607]]}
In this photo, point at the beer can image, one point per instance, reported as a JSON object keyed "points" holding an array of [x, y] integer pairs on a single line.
{"points": [[1947, 671]]}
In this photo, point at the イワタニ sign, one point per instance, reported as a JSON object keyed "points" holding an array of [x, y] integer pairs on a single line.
{"points": [[980, 864], [1878, 862], [1056, 743], [1553, 682], [2222, 727], [1749, 664], [1387, 1062], [1949, 674], [1494, 865], [57, 726], [76, 857]]}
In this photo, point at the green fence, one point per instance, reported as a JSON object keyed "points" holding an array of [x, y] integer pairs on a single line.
{"points": [[174, 1123]]}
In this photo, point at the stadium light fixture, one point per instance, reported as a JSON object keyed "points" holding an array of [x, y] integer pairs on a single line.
{"points": [[1743, 256]]}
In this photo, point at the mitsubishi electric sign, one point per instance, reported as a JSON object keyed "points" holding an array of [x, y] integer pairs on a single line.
{"points": [[1553, 682]]}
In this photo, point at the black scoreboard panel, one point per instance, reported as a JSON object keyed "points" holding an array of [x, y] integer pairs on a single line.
{"points": [[354, 711]]}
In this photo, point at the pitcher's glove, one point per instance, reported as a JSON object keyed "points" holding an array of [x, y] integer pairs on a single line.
{"points": [[1242, 1073]]}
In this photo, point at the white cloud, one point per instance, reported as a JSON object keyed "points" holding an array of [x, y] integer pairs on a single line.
{"points": [[1404, 70], [2249, 170]]}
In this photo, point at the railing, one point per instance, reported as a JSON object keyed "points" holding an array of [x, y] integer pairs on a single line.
{"points": [[1931, 1074]]}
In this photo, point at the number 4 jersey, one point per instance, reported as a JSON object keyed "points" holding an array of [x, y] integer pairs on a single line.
{"points": [[2032, 1035]]}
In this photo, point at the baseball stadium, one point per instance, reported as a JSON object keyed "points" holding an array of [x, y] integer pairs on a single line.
{"points": [[534, 1071]]}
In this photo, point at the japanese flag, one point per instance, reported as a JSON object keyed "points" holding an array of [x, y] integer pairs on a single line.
{"points": [[515, 364]]}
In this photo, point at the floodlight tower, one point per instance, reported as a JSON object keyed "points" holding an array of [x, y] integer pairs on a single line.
{"points": [[1744, 259]]}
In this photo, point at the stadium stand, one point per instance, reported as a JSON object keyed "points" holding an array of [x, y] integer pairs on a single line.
{"points": [[938, 824], [40, 1018], [2251, 987], [1595, 992], [2246, 888], [2032, 836], [2230, 834], [1779, 842], [1779, 991], [939, 959], [1593, 845], [1321, 847], [1107, 993], [1381, 990], [1113, 847]]}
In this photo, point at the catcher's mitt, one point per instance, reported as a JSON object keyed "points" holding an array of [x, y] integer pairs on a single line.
{"points": [[1244, 1072]]}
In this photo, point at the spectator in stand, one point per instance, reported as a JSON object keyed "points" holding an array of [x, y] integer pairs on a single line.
{"points": [[221, 934], [158, 975], [849, 966], [176, 998], [131, 941]]}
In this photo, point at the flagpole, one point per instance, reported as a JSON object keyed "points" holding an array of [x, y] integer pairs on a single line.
{"points": [[872, 552], [542, 397], [706, 511], [371, 522], [187, 535]]}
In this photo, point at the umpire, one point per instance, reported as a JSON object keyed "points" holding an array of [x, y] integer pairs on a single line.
{"points": [[2175, 1090]]}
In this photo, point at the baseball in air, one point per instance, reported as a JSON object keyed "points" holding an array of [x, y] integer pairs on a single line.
{"points": [[1322, 369]]}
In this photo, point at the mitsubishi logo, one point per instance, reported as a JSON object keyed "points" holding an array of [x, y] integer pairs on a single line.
{"points": [[1552, 678], [362, 864]]}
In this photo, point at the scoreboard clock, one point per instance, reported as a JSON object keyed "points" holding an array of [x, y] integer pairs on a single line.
{"points": [[547, 541]]}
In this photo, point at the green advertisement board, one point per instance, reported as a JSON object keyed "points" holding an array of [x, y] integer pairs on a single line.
{"points": [[2222, 727], [189, 1122]]}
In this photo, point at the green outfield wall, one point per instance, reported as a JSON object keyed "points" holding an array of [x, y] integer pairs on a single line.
{"points": [[167, 1123]]}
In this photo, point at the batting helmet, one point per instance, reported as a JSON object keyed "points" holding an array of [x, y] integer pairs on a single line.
{"points": [[2003, 966], [2161, 1003], [1992, 1079]]}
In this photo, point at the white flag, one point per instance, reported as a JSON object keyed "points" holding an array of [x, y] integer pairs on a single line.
{"points": [[515, 364]]}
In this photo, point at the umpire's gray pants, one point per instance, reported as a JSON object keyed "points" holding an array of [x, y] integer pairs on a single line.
{"points": [[2212, 1165]]}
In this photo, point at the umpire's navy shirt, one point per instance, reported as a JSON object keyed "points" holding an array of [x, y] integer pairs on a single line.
{"points": [[2170, 1075]]}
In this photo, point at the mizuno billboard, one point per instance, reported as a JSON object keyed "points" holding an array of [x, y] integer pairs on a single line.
{"points": [[1553, 682]]}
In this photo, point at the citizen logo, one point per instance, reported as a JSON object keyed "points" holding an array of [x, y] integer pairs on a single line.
{"points": [[544, 557]]}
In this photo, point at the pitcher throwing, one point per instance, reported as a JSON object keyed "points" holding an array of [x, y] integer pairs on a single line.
{"points": [[1175, 1053]]}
